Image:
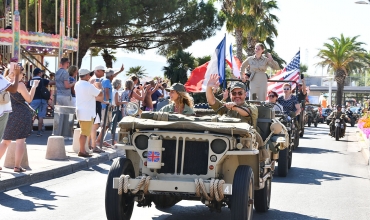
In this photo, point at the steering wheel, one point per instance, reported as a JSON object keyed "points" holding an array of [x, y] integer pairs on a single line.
{"points": [[272, 105]]}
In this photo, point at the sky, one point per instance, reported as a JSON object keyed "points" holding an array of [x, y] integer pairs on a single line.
{"points": [[304, 25]]}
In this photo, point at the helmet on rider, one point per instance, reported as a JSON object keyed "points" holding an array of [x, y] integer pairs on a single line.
{"points": [[338, 107]]}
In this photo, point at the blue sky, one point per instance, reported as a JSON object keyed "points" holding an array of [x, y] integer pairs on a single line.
{"points": [[304, 25]]}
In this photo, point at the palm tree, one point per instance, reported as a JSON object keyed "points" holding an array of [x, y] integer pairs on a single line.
{"points": [[106, 53], [108, 56], [264, 28], [239, 19], [178, 67], [343, 56], [138, 71]]}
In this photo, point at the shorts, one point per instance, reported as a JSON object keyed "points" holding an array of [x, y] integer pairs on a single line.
{"points": [[109, 117], [40, 106], [86, 127]]}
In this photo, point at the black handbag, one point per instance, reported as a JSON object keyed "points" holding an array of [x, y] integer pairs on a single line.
{"points": [[45, 93]]}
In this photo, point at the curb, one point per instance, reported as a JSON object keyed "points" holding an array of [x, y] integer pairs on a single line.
{"points": [[52, 172], [365, 145]]}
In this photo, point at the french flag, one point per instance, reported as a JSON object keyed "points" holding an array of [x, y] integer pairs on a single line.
{"points": [[199, 77], [233, 62]]}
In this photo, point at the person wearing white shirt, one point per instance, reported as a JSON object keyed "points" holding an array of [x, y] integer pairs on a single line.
{"points": [[86, 95]]}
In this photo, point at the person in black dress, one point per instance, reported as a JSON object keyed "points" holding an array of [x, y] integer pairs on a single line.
{"points": [[19, 125]]}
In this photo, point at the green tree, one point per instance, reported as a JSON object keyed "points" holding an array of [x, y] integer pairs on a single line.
{"points": [[138, 71], [202, 60], [136, 25], [239, 19], [343, 55], [178, 67], [264, 29]]}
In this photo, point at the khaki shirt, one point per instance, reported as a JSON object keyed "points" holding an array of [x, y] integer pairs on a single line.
{"points": [[258, 65], [335, 114], [171, 108], [234, 114]]}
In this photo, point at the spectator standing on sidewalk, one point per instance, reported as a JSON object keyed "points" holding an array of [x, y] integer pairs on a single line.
{"points": [[98, 73], [129, 93], [86, 94], [157, 94], [6, 108], [64, 96], [73, 71], [107, 95], [39, 103], [19, 125], [151, 88]]}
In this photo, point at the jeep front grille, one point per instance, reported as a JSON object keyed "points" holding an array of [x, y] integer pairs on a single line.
{"points": [[195, 157]]}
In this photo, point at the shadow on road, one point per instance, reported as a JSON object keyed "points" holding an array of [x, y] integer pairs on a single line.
{"points": [[312, 150], [23, 205], [310, 176], [277, 215], [200, 212]]}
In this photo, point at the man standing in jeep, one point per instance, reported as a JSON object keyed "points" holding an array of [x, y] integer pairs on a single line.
{"points": [[237, 108]]}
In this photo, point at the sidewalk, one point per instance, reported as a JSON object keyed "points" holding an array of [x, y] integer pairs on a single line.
{"points": [[42, 169]]}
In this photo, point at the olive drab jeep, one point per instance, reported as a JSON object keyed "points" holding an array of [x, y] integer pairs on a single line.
{"points": [[217, 160]]}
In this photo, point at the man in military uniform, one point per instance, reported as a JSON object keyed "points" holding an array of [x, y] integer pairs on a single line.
{"points": [[337, 114], [238, 107]]}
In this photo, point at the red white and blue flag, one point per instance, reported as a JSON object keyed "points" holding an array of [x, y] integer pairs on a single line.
{"points": [[233, 62], [153, 156], [199, 77], [290, 72]]}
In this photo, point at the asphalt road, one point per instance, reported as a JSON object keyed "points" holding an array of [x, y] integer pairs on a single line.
{"points": [[328, 180]]}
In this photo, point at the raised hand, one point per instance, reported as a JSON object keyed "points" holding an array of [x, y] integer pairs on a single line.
{"points": [[213, 81], [269, 56], [122, 68], [17, 70]]}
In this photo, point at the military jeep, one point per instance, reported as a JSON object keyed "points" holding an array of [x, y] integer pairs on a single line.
{"points": [[217, 160]]}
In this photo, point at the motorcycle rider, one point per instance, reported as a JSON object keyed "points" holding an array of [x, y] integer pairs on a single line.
{"points": [[337, 114]]}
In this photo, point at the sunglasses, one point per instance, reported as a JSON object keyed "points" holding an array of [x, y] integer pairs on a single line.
{"points": [[287, 88], [272, 96], [240, 93]]}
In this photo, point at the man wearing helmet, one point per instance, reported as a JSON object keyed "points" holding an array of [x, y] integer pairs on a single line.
{"points": [[337, 114]]}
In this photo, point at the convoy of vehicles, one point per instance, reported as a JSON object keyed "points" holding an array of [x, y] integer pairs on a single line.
{"points": [[234, 163]]}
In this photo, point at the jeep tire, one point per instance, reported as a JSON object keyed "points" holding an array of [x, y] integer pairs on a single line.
{"points": [[262, 197], [118, 206], [242, 194], [164, 202], [283, 162]]}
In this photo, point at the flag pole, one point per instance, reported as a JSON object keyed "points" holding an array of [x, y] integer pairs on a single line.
{"points": [[224, 82]]}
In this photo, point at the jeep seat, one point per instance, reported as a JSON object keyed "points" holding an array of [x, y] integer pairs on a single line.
{"points": [[264, 120]]}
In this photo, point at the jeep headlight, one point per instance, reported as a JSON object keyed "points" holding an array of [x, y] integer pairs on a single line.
{"points": [[141, 142], [218, 146]]}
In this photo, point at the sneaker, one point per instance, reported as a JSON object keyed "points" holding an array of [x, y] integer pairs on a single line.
{"points": [[38, 134]]}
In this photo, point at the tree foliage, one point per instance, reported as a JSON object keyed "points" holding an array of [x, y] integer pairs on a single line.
{"points": [[136, 25], [178, 67], [138, 71], [343, 56]]}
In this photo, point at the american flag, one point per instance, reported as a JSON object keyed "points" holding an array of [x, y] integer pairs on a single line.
{"points": [[290, 72]]}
